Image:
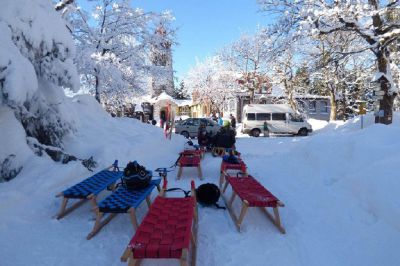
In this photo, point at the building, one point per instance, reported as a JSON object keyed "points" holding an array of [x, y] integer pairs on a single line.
{"points": [[313, 106]]}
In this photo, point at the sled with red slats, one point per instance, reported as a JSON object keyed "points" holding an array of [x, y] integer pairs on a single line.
{"points": [[226, 166], [189, 158], [252, 194], [168, 231]]}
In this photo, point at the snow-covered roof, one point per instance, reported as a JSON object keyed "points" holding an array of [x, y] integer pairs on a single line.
{"points": [[311, 96], [163, 96], [183, 102], [138, 108], [268, 108]]}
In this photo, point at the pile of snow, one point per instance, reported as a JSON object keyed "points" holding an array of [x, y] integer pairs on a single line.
{"points": [[14, 150], [339, 185]]}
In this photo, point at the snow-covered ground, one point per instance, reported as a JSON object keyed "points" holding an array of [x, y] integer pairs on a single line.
{"points": [[340, 187]]}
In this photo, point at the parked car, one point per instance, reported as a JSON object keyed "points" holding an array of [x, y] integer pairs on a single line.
{"points": [[280, 118], [189, 127]]}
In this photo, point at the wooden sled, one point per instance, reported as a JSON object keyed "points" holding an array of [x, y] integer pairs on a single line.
{"points": [[189, 159], [252, 194], [88, 189], [240, 168], [168, 231], [122, 201]]}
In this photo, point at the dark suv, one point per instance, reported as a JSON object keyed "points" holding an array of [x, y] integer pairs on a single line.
{"points": [[189, 127]]}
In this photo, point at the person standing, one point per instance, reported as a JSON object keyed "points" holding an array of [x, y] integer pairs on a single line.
{"points": [[202, 137], [233, 121], [265, 129]]}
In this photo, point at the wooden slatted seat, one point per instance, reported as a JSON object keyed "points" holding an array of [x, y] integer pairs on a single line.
{"points": [[252, 194], [166, 232]]}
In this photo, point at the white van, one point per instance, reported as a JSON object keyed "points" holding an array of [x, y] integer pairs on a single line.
{"points": [[280, 118]]}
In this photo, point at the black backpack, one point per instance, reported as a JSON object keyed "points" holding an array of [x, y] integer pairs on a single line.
{"points": [[135, 176], [208, 194]]}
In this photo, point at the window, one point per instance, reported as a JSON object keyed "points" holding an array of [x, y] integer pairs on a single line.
{"points": [[206, 122], [312, 107], [251, 116], [189, 122], [196, 122], [296, 118], [279, 116], [263, 116], [324, 107]]}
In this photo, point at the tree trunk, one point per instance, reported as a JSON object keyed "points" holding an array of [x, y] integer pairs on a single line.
{"points": [[251, 96], [385, 104], [97, 88], [333, 106], [291, 100]]}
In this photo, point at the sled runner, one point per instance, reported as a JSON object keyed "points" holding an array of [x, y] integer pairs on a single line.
{"points": [[166, 231], [89, 188], [189, 158], [122, 201], [252, 194]]}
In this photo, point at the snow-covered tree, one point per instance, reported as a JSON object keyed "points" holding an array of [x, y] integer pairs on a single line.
{"points": [[36, 64], [180, 92], [367, 18], [212, 83], [115, 44], [110, 46], [249, 56]]}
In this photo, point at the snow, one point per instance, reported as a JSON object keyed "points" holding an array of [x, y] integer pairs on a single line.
{"points": [[13, 139], [19, 76], [339, 185], [164, 96]]}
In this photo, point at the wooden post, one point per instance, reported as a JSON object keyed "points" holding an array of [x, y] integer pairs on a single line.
{"points": [[245, 205], [232, 198], [184, 256], [225, 186], [62, 209], [221, 180], [99, 224], [194, 245], [179, 172], [274, 219], [134, 262], [148, 201], [278, 220], [132, 214], [126, 255], [199, 172], [66, 210]]}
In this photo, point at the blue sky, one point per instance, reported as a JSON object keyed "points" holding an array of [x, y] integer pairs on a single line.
{"points": [[205, 26]]}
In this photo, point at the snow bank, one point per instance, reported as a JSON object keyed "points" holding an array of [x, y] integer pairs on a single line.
{"points": [[14, 150], [340, 186]]}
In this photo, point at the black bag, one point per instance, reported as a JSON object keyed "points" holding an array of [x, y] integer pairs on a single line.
{"points": [[135, 176], [208, 194]]}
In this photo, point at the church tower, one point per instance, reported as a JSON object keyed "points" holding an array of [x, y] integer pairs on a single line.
{"points": [[161, 59]]}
